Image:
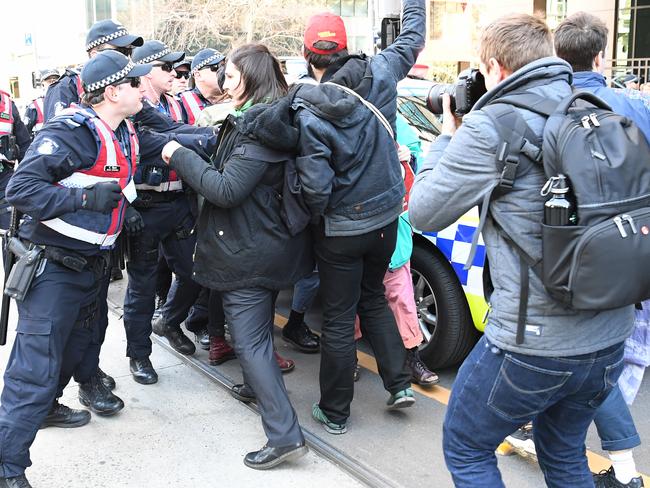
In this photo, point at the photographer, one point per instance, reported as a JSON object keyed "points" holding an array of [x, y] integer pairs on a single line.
{"points": [[568, 360]]}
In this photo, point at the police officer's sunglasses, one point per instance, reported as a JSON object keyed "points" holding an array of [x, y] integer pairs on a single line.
{"points": [[124, 50], [182, 74], [135, 82], [168, 67]]}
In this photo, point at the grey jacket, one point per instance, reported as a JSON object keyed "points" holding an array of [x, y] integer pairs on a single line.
{"points": [[456, 175]]}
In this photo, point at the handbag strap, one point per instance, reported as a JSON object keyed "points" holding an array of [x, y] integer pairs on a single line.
{"points": [[372, 108]]}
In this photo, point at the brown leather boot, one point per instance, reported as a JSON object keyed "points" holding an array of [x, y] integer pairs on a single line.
{"points": [[285, 365], [220, 351]]}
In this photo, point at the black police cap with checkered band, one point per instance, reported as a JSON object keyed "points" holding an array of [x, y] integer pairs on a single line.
{"points": [[110, 32], [152, 51], [109, 67], [206, 57]]}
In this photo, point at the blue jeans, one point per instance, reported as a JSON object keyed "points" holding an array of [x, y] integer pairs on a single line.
{"points": [[497, 391], [304, 292], [615, 425]]}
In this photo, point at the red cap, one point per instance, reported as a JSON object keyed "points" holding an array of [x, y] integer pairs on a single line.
{"points": [[326, 27]]}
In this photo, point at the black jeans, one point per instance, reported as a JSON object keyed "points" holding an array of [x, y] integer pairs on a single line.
{"points": [[351, 282]]}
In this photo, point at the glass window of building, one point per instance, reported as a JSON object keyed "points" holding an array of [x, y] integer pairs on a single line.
{"points": [[348, 8]]}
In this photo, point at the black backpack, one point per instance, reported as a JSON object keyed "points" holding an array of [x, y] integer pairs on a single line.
{"points": [[603, 262]]}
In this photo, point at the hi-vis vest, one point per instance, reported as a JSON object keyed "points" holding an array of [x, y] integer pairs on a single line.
{"points": [[6, 114], [174, 108], [111, 165], [37, 104], [192, 104]]}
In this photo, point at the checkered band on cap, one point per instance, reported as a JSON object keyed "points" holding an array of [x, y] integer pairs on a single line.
{"points": [[110, 79], [207, 61], [106, 39], [153, 57]]}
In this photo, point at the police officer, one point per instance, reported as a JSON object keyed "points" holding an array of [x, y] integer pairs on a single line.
{"points": [[73, 188], [14, 140], [102, 36], [181, 80], [207, 91], [158, 83], [34, 113], [168, 222]]}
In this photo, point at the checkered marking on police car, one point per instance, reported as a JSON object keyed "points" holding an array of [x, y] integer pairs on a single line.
{"points": [[455, 243], [153, 57], [106, 39], [208, 61], [111, 79]]}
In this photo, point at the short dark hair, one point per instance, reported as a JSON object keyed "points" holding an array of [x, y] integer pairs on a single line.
{"points": [[93, 98], [260, 72], [579, 39], [323, 61]]}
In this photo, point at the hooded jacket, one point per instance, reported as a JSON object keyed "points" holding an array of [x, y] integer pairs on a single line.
{"points": [[456, 175], [242, 241], [347, 161]]}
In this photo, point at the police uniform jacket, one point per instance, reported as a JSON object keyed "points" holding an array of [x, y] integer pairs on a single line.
{"points": [[242, 242]]}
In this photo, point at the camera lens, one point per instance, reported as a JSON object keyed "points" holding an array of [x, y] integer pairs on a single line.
{"points": [[434, 99]]}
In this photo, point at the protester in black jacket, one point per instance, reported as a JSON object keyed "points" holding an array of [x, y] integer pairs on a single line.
{"points": [[244, 249]]}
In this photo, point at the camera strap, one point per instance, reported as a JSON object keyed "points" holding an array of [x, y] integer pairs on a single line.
{"points": [[370, 106]]}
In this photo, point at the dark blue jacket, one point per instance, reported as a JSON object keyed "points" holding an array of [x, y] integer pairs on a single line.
{"points": [[61, 94], [348, 164], [631, 103], [23, 139]]}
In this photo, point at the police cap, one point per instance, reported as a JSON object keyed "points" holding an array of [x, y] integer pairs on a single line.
{"points": [[206, 57], [110, 32], [152, 51], [109, 67]]}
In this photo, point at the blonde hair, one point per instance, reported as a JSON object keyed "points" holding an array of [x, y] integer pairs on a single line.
{"points": [[515, 40]]}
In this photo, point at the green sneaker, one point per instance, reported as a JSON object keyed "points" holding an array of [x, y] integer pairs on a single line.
{"points": [[401, 399], [328, 425]]}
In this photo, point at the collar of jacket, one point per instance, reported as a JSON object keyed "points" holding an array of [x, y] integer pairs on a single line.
{"points": [[351, 71], [551, 69], [584, 79]]}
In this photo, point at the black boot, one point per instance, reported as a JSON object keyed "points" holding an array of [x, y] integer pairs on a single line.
{"points": [[269, 457], [179, 341], [99, 399], [142, 371], [297, 333], [65, 417], [15, 482], [243, 392], [108, 381]]}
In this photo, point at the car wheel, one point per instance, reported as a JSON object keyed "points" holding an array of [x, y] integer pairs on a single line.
{"points": [[443, 313]]}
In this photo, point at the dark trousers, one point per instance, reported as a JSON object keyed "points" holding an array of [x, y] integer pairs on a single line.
{"points": [[217, 317], [199, 316], [351, 282], [163, 277], [57, 327], [497, 391], [250, 315], [165, 226]]}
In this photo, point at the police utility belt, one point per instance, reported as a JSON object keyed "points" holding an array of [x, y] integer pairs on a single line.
{"points": [[28, 261]]}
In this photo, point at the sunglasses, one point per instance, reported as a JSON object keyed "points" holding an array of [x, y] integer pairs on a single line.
{"points": [[135, 82], [168, 67], [214, 67], [124, 50], [182, 74]]}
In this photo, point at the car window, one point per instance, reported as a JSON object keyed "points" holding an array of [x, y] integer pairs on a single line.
{"points": [[419, 117]]}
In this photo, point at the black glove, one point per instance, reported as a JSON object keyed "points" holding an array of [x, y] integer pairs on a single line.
{"points": [[101, 197], [133, 222]]}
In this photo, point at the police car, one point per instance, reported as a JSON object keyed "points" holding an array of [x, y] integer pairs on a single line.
{"points": [[451, 308]]}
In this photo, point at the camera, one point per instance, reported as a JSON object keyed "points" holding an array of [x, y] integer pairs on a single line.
{"points": [[464, 93], [8, 147], [154, 175]]}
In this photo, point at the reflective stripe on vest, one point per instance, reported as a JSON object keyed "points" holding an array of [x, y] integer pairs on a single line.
{"points": [[111, 165], [40, 117], [174, 108], [193, 105], [166, 186], [80, 87], [6, 114]]}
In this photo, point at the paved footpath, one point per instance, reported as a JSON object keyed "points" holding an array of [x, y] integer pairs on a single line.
{"points": [[184, 431]]}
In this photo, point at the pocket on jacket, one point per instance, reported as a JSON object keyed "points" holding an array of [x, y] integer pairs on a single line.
{"points": [[224, 233], [522, 390], [31, 358], [375, 205]]}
